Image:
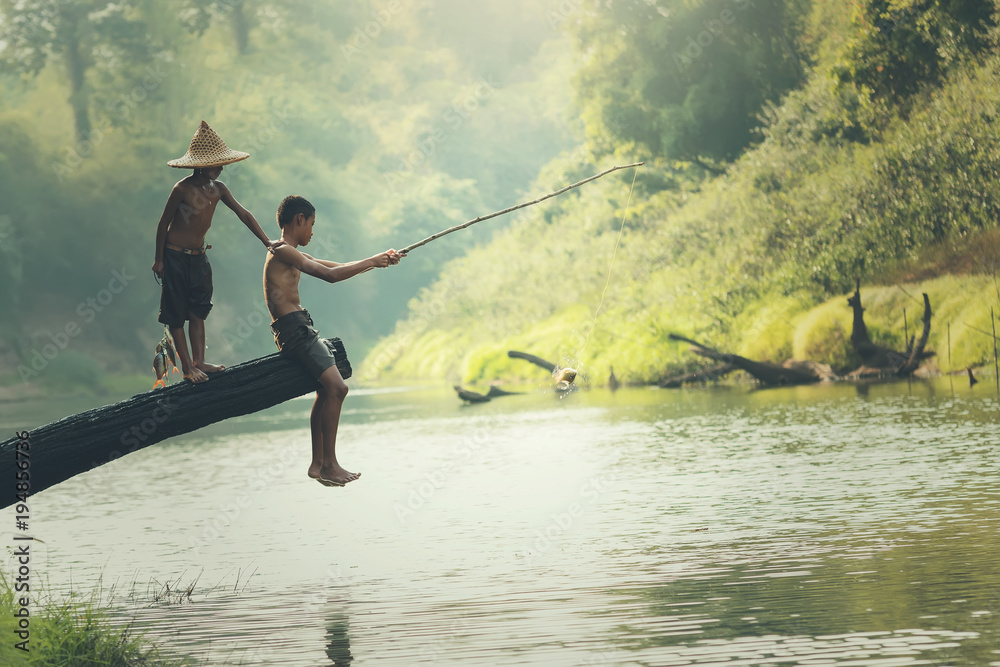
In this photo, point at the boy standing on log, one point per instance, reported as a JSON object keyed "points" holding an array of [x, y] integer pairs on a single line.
{"points": [[298, 340], [180, 259]]}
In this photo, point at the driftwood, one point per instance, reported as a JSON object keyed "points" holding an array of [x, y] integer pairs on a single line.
{"points": [[470, 396], [706, 375], [770, 374], [879, 360], [84, 441], [475, 397], [538, 361]]}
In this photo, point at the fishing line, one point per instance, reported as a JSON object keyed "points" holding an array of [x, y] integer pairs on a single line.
{"points": [[611, 267]]}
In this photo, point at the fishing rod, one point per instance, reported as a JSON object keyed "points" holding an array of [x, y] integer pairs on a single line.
{"points": [[516, 207]]}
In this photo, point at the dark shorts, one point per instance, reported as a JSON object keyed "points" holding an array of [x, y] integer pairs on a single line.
{"points": [[187, 287], [298, 340]]}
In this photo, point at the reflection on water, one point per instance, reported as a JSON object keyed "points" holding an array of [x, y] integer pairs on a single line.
{"points": [[803, 526], [338, 648]]}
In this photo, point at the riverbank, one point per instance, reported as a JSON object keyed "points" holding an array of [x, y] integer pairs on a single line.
{"points": [[73, 631]]}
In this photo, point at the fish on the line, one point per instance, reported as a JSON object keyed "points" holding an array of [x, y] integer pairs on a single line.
{"points": [[164, 359]]}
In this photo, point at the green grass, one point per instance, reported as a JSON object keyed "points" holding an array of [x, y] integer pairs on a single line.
{"points": [[72, 633]]}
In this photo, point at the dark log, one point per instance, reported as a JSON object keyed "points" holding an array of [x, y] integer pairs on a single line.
{"points": [[495, 391], [770, 374], [706, 375], [538, 361], [916, 353], [470, 396], [879, 360], [84, 441]]}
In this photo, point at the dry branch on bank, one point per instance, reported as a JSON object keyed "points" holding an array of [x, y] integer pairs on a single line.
{"points": [[792, 372], [879, 360]]}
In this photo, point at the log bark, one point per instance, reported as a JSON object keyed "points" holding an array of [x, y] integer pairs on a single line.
{"points": [[81, 442], [767, 373]]}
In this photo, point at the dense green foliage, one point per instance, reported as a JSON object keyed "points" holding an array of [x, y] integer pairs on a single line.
{"points": [[856, 173], [791, 147], [396, 119]]}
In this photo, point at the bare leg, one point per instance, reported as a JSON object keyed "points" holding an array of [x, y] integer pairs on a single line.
{"points": [[335, 390], [197, 329], [188, 367], [316, 430]]}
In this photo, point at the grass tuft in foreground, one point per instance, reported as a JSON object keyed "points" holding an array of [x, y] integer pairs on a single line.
{"points": [[71, 633]]}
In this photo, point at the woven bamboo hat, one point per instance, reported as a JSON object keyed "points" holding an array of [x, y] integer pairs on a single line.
{"points": [[207, 149]]}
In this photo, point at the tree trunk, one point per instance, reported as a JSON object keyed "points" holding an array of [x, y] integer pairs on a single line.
{"points": [[916, 353], [878, 360], [240, 25], [76, 69], [770, 374], [80, 442], [705, 375]]}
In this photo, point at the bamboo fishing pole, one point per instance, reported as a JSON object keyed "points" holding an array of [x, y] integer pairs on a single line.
{"points": [[516, 207]]}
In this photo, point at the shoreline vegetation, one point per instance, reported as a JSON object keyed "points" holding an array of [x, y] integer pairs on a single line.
{"points": [[787, 328], [75, 631], [879, 164], [796, 147]]}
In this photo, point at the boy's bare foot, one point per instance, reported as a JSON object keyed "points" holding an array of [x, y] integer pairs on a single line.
{"points": [[195, 375], [315, 474], [337, 475], [210, 368]]}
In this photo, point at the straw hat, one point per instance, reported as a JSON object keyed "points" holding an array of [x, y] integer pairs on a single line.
{"points": [[207, 149]]}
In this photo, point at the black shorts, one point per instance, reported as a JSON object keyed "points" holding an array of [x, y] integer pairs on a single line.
{"points": [[298, 340], [187, 287]]}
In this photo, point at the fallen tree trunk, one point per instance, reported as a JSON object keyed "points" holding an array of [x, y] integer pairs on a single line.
{"points": [[705, 375], [770, 374], [84, 441]]}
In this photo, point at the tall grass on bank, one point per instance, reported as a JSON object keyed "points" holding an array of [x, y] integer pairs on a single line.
{"points": [[71, 633]]}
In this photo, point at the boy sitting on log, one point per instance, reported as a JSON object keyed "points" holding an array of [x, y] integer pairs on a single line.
{"points": [[180, 259], [298, 340]]}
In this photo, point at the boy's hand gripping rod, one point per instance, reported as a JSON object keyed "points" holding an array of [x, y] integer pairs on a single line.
{"points": [[514, 208]]}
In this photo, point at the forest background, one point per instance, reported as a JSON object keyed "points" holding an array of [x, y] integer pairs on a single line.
{"points": [[791, 148]]}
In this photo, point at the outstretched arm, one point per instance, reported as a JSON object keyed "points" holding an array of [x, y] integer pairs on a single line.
{"points": [[173, 201], [246, 217], [332, 272]]}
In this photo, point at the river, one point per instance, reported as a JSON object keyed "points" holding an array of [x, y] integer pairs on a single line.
{"points": [[830, 524]]}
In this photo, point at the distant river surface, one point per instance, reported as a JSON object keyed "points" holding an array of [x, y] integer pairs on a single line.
{"points": [[827, 525]]}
